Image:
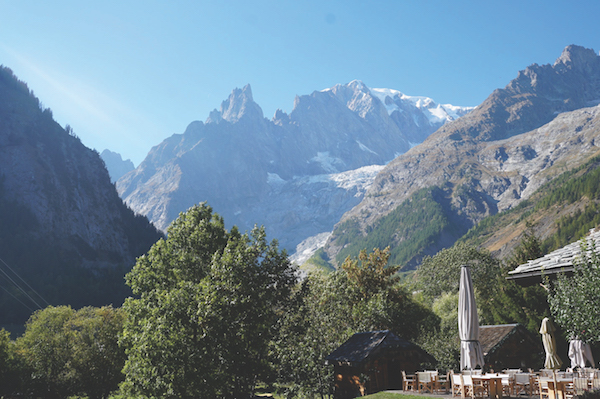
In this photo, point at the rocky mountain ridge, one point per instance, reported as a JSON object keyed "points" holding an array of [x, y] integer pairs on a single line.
{"points": [[282, 173], [497, 155], [116, 165], [62, 223]]}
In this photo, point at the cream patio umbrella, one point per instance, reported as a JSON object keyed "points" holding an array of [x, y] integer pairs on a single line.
{"points": [[547, 329], [579, 353], [552, 362], [471, 354]]}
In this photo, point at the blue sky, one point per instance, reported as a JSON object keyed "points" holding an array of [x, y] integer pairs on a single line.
{"points": [[127, 74]]}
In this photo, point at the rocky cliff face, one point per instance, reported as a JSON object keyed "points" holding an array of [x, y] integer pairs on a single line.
{"points": [[60, 216], [283, 173], [115, 164], [502, 151]]}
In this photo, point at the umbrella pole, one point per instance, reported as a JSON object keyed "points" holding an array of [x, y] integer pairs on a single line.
{"points": [[555, 384]]}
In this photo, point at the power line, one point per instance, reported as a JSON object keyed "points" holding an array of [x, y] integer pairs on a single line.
{"points": [[15, 297], [19, 287], [25, 282]]}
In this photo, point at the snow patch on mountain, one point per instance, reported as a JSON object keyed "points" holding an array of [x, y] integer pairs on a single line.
{"points": [[395, 100], [361, 178], [274, 178], [308, 247], [327, 162], [365, 148]]}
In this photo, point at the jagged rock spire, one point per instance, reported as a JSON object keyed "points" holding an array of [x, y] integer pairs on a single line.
{"points": [[239, 105]]}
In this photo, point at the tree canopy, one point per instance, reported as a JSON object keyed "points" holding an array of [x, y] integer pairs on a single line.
{"points": [[575, 300], [208, 304], [441, 273], [327, 309], [66, 352]]}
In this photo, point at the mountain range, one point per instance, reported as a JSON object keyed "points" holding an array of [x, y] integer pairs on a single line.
{"points": [[342, 172], [543, 123], [296, 174], [293, 173]]}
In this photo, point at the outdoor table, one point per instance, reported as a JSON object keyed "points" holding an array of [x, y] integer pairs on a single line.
{"points": [[494, 383]]}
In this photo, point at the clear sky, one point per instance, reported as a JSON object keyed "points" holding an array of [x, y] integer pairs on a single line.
{"points": [[127, 74]]}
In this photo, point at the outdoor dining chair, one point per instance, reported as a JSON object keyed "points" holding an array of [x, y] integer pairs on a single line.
{"points": [[507, 385], [522, 384], [470, 388], [543, 388], [580, 385], [443, 382], [456, 385], [408, 381], [569, 390], [425, 381]]}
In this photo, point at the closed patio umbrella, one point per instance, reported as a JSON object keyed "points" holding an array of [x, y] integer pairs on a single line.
{"points": [[579, 353], [552, 362], [547, 330], [471, 354]]}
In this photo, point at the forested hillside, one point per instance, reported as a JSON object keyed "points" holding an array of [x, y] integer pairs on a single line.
{"points": [[560, 212], [63, 228]]}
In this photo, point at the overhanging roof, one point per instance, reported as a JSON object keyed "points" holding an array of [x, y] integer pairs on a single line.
{"points": [[361, 346], [553, 263]]}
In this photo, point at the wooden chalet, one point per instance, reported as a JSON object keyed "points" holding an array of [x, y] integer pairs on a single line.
{"points": [[373, 361], [510, 346]]}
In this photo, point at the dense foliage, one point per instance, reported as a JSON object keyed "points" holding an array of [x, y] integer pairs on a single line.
{"points": [[364, 295], [209, 300], [403, 229], [438, 279], [441, 273], [498, 301], [575, 300], [66, 352]]}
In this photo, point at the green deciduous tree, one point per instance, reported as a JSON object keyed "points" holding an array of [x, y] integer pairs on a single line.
{"points": [[441, 273], [10, 370], [46, 347], [208, 304], [67, 352], [317, 322], [96, 356], [575, 300], [438, 278], [512, 303], [363, 295], [370, 273]]}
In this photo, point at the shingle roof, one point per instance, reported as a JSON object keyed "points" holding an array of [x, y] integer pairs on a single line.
{"points": [[556, 261], [360, 346], [491, 337]]}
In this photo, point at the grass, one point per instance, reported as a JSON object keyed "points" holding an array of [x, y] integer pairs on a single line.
{"points": [[389, 395]]}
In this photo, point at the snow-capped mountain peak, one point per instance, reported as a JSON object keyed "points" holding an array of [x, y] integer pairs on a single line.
{"points": [[396, 101]]}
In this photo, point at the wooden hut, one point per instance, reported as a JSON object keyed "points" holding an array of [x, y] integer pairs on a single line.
{"points": [[373, 361], [510, 346]]}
